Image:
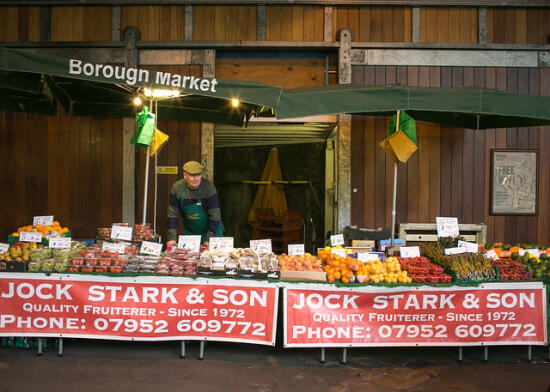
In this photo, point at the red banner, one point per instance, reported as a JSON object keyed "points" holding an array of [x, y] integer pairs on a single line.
{"points": [[491, 314], [141, 308]]}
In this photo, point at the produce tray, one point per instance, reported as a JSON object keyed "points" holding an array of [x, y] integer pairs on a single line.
{"points": [[13, 266]]}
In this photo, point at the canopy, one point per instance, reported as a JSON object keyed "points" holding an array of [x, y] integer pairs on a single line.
{"points": [[31, 82], [472, 108]]}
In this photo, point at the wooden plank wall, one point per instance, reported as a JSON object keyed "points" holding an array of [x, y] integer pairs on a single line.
{"points": [[374, 24], [63, 166], [19, 24], [155, 23], [81, 23], [294, 23], [224, 23], [518, 25], [184, 144], [449, 175], [449, 24]]}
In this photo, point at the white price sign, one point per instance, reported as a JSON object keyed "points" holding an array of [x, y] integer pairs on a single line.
{"points": [[191, 242], [455, 251], [60, 242], [491, 255], [469, 246], [46, 220], [221, 244], [151, 248], [409, 251], [261, 247], [115, 248], [447, 227], [533, 252], [339, 252], [337, 239], [121, 233], [3, 248], [296, 249], [365, 256], [30, 236]]}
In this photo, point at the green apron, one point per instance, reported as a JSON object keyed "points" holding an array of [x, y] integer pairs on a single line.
{"points": [[195, 220]]}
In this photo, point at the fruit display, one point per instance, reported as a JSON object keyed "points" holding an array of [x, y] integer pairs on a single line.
{"points": [[44, 229], [20, 251], [468, 266], [422, 270], [374, 271], [511, 269], [305, 262]]}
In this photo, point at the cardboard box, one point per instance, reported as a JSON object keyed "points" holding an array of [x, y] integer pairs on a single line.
{"points": [[304, 275], [252, 275], [363, 244]]}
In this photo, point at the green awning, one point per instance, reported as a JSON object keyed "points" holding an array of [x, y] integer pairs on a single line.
{"points": [[472, 108], [31, 82]]}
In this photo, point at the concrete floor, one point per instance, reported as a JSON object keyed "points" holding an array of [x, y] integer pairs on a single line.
{"points": [[94, 365]]}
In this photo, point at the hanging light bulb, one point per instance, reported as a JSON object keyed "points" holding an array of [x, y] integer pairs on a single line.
{"points": [[137, 101], [147, 91], [235, 102]]}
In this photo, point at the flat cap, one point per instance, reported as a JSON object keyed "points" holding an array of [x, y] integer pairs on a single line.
{"points": [[192, 167]]}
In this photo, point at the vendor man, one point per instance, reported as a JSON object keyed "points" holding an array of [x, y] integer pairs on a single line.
{"points": [[196, 199]]}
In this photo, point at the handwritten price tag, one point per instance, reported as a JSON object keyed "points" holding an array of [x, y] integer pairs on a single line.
{"points": [[491, 255], [60, 242], [447, 227], [261, 247], [469, 246], [409, 251], [151, 248], [121, 233], [337, 239], [29, 236], [296, 249], [533, 252], [221, 244], [115, 248], [339, 252], [46, 220], [191, 242], [455, 251], [365, 256], [3, 248]]}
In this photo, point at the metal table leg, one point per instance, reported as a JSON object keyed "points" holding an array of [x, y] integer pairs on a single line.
{"points": [[344, 355], [60, 351], [39, 346], [323, 355], [529, 353], [182, 355], [460, 354], [201, 350], [485, 353]]}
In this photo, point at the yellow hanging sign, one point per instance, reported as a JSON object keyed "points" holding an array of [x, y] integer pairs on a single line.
{"points": [[167, 169]]}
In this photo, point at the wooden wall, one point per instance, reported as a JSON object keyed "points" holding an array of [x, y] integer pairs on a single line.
{"points": [[449, 175], [63, 166], [526, 25], [183, 145]]}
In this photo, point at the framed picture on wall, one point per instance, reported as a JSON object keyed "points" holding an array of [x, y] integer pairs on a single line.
{"points": [[514, 182]]}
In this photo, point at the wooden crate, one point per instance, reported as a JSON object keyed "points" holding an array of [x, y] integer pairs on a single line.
{"points": [[427, 232]]}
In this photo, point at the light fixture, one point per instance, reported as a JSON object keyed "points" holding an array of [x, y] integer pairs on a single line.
{"points": [[137, 101], [235, 102], [147, 92]]}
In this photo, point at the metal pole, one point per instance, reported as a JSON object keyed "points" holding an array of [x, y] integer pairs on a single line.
{"points": [[182, 355], [394, 202], [156, 155], [323, 355], [460, 354], [145, 186], [201, 350], [344, 355], [60, 350], [486, 353], [39, 348], [529, 353]]}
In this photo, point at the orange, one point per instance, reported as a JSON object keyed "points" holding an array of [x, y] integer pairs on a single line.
{"points": [[345, 280], [15, 234], [337, 275], [330, 278]]}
